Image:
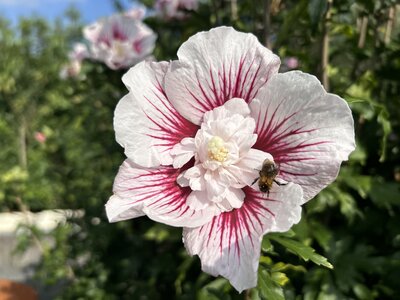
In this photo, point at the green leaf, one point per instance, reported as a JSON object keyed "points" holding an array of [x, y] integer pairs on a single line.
{"points": [[359, 155], [385, 194], [267, 287], [321, 234], [305, 252], [280, 278], [266, 245], [362, 292], [382, 193], [160, 233], [215, 290], [358, 92]]}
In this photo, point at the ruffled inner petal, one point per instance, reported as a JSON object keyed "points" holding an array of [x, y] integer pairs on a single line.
{"points": [[183, 152], [221, 149], [248, 168]]}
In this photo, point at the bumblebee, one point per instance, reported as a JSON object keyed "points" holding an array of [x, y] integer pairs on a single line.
{"points": [[268, 172]]}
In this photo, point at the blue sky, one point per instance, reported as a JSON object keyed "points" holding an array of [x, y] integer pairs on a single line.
{"points": [[50, 9]]}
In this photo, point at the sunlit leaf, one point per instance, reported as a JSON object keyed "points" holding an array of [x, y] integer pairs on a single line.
{"points": [[266, 245], [305, 252], [267, 287]]}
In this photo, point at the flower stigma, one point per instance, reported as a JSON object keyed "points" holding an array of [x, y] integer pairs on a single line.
{"points": [[119, 48], [217, 150]]}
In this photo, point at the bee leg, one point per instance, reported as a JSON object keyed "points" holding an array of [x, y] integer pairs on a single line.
{"points": [[279, 183], [254, 181]]}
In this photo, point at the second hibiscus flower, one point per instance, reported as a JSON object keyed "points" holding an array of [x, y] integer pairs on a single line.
{"points": [[196, 132], [120, 41]]}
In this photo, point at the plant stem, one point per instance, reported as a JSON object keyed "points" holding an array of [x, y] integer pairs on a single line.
{"points": [[267, 23], [363, 32], [215, 7], [246, 294], [389, 25], [26, 211], [23, 160], [325, 45], [234, 10]]}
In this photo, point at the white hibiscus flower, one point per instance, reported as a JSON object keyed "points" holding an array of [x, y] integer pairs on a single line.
{"points": [[120, 41], [196, 132]]}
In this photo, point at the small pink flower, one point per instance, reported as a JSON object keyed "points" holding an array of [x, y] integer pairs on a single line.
{"points": [[196, 132], [175, 9], [76, 56], [120, 41], [40, 137], [291, 62], [189, 4], [79, 52], [71, 70]]}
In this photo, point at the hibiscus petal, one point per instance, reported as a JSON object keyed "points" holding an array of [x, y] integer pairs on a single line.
{"points": [[182, 152], [92, 31], [216, 66], [229, 245], [308, 132], [233, 199], [145, 122], [120, 209], [156, 193], [198, 200]]}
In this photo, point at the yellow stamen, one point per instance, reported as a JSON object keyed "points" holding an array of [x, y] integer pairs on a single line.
{"points": [[217, 150]]}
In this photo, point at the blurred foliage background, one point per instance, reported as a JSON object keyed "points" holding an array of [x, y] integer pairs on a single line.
{"points": [[352, 46]]}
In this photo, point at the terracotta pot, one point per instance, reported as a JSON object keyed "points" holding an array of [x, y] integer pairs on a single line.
{"points": [[10, 290]]}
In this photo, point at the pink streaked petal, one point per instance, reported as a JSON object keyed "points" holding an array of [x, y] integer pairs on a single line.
{"points": [[118, 33], [141, 37], [156, 192], [145, 122], [308, 132], [137, 46], [216, 66], [229, 245]]}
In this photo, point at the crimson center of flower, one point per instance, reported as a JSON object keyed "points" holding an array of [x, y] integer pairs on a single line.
{"points": [[217, 150]]}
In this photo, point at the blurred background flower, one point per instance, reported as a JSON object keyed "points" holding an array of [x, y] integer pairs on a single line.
{"points": [[40, 137], [120, 41], [291, 62], [170, 9], [74, 65]]}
